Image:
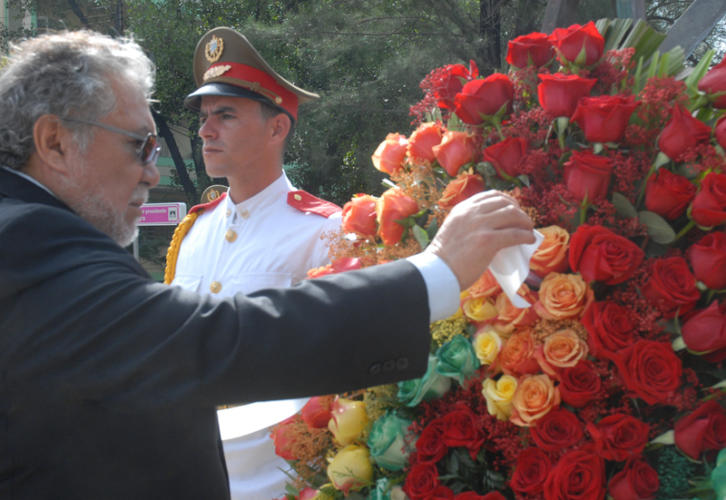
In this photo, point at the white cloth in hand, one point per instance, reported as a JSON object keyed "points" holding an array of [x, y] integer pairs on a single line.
{"points": [[510, 267]]}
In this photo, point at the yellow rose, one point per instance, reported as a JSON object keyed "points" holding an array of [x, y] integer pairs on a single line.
{"points": [[487, 344], [350, 468], [551, 256], [535, 396], [562, 349], [479, 309], [563, 296], [499, 396], [348, 420]]}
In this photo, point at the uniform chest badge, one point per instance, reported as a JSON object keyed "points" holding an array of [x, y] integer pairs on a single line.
{"points": [[213, 49]]}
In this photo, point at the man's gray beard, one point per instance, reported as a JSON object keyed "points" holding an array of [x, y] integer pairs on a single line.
{"points": [[95, 209]]}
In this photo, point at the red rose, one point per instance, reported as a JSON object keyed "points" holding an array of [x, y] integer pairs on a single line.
{"points": [[703, 430], [450, 83], [580, 384], [651, 370], [461, 188], [619, 437], [558, 430], [530, 472], [441, 492], [462, 428], [483, 97], [715, 81], [455, 150], [598, 254], [720, 131], [316, 412], [682, 132], [558, 93], [421, 481], [506, 156], [709, 205], [672, 287], [582, 45], [284, 437], [578, 475], [609, 329], [705, 331], [422, 141], [708, 260], [430, 446], [393, 205], [533, 49], [359, 215], [604, 118], [636, 481], [389, 155], [588, 175], [470, 495], [668, 194]]}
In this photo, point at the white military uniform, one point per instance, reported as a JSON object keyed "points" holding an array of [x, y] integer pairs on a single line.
{"points": [[259, 243]]}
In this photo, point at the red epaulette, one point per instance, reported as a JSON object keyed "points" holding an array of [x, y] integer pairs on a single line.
{"points": [[305, 202], [210, 204]]}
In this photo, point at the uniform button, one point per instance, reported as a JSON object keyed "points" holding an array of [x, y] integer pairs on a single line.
{"points": [[402, 363], [231, 235], [297, 197], [375, 369], [389, 365], [245, 214], [215, 287], [228, 212]]}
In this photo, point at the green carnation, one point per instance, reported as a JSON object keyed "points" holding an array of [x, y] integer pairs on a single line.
{"points": [[387, 442], [432, 385], [457, 359]]}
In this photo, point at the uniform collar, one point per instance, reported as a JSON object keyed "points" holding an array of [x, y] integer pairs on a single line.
{"points": [[271, 195]]}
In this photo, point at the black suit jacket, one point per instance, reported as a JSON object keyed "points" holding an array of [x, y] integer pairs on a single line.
{"points": [[109, 381]]}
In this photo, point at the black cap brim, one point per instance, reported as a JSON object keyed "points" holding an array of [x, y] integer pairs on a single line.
{"points": [[194, 100]]}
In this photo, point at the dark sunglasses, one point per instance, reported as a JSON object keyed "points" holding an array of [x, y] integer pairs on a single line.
{"points": [[149, 150]]}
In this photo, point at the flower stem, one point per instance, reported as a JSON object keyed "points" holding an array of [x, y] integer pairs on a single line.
{"points": [[685, 229]]}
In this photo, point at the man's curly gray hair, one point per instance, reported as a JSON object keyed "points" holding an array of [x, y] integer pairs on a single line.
{"points": [[67, 74]]}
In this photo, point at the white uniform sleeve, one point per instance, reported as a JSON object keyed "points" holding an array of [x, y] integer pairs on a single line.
{"points": [[442, 286]]}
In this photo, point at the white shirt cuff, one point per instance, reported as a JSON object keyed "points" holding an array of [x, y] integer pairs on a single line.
{"points": [[442, 286]]}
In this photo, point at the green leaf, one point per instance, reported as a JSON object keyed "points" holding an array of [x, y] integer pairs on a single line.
{"points": [[421, 236], [623, 206], [658, 228]]}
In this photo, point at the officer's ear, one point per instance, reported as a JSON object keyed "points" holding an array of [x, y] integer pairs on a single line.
{"points": [[280, 125]]}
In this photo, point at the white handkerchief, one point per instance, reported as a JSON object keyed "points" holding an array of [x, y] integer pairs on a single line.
{"points": [[510, 267]]}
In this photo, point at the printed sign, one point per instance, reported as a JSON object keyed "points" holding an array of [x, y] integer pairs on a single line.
{"points": [[162, 214]]}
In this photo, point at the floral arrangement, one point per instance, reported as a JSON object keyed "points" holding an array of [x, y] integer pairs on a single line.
{"points": [[610, 384]]}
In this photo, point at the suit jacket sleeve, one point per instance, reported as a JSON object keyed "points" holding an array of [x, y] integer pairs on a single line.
{"points": [[79, 315]]}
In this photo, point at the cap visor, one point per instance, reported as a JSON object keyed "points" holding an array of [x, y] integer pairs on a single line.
{"points": [[194, 100]]}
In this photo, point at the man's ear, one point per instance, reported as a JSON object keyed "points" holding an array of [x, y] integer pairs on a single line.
{"points": [[281, 125], [52, 141]]}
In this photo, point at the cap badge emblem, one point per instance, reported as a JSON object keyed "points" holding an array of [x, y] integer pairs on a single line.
{"points": [[216, 71], [213, 49]]}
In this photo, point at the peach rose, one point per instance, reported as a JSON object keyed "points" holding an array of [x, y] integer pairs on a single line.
{"points": [[478, 309], [359, 215], [562, 349], [551, 256], [487, 344], [393, 205], [461, 188], [499, 396], [485, 286], [535, 396], [422, 141], [563, 296], [389, 155], [510, 317], [517, 354], [348, 420], [455, 150]]}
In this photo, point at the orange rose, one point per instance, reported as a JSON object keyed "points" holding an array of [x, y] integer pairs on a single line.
{"points": [[517, 354], [563, 296], [486, 286], [389, 154], [562, 349], [422, 141], [551, 256], [455, 150], [393, 205], [359, 215], [535, 396], [510, 317], [464, 186]]}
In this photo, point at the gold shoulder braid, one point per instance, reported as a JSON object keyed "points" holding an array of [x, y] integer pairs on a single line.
{"points": [[173, 251]]}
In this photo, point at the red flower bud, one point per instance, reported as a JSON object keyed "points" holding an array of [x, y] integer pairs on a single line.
{"points": [[506, 156], [558, 93], [582, 45], [604, 118], [708, 260], [587, 174], [682, 132], [455, 150], [534, 48], [709, 205], [668, 194], [483, 97], [715, 81]]}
